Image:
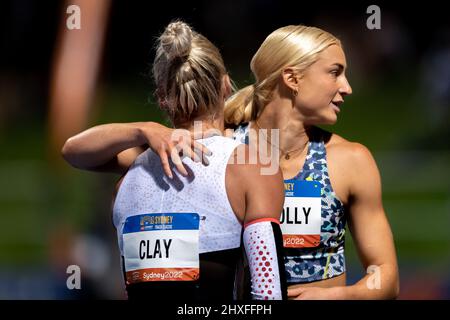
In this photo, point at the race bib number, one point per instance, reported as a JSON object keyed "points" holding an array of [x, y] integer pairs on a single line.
{"points": [[161, 247], [301, 218]]}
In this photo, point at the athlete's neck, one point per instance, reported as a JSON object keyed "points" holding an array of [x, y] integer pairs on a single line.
{"points": [[279, 114], [204, 125]]}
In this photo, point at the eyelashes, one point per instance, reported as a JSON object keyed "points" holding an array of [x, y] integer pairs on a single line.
{"points": [[335, 73]]}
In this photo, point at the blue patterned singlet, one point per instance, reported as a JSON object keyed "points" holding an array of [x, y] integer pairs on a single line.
{"points": [[327, 260]]}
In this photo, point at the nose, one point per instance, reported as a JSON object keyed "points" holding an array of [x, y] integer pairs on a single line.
{"points": [[345, 88]]}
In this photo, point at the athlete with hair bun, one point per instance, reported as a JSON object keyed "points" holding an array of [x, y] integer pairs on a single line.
{"points": [[181, 237], [330, 182]]}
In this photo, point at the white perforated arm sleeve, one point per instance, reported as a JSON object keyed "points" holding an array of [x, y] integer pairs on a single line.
{"points": [[264, 249]]}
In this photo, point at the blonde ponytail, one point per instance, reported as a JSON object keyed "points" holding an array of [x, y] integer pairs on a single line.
{"points": [[239, 107]]}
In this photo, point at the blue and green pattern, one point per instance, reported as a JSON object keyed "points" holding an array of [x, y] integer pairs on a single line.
{"points": [[327, 260]]}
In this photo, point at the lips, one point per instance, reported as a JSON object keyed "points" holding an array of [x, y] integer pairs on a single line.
{"points": [[336, 105]]}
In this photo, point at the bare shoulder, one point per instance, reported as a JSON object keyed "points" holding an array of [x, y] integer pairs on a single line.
{"points": [[246, 163], [353, 153], [253, 174], [256, 190]]}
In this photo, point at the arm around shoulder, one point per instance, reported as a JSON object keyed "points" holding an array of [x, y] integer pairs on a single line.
{"points": [[109, 147]]}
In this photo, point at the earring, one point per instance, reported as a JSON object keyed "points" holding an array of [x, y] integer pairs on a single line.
{"points": [[295, 92]]}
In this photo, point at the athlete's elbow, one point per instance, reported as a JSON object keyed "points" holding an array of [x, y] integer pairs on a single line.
{"points": [[66, 150], [69, 153]]}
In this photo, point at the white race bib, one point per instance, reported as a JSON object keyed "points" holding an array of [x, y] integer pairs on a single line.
{"points": [[301, 218], [161, 247]]}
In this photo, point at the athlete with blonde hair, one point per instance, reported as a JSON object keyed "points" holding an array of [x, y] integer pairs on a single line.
{"points": [[300, 84], [180, 238], [329, 181]]}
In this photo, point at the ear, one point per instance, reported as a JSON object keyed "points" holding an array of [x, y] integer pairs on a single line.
{"points": [[227, 88], [291, 78]]}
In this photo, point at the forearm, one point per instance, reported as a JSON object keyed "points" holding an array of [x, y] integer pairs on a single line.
{"points": [[381, 284], [100, 144]]}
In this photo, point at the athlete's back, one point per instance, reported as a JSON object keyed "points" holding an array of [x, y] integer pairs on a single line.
{"points": [[146, 191], [182, 238]]}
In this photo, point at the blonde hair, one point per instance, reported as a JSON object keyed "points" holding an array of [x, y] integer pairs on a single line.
{"points": [[297, 47], [188, 71]]}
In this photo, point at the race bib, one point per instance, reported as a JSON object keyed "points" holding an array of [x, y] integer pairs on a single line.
{"points": [[301, 218], [161, 247]]}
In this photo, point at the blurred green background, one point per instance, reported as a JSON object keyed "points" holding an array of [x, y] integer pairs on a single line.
{"points": [[399, 109]]}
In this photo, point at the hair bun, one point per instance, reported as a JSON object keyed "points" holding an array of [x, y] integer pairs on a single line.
{"points": [[176, 40]]}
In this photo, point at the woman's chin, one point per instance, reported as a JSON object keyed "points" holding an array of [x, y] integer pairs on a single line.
{"points": [[329, 120], [326, 119]]}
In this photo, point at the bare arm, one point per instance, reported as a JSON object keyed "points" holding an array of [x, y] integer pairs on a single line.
{"points": [[253, 195], [371, 231], [75, 68], [264, 195], [109, 147], [114, 147]]}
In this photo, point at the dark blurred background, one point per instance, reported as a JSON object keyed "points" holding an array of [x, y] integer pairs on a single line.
{"points": [[55, 82]]}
